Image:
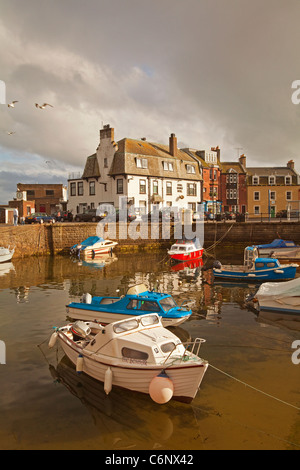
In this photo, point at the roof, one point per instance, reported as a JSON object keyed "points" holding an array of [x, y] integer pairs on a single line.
{"points": [[271, 171], [236, 166], [91, 169], [129, 150]]}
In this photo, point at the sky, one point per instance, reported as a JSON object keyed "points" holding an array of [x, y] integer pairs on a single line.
{"points": [[214, 72]]}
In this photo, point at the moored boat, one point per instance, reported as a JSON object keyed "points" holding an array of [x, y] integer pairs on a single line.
{"points": [[138, 354], [93, 246], [280, 249], [256, 269], [186, 250], [137, 301], [283, 297], [6, 254]]}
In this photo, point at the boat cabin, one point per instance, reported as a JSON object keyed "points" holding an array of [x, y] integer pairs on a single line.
{"points": [[138, 340], [252, 261], [186, 246]]}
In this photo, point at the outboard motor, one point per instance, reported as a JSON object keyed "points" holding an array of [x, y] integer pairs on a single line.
{"points": [[217, 264], [86, 299]]}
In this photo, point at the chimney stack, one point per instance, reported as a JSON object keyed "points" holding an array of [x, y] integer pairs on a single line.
{"points": [[173, 145], [291, 165], [107, 133], [242, 160]]}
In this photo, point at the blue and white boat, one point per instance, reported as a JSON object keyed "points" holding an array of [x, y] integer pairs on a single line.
{"points": [[280, 249], [93, 246], [256, 269], [137, 301]]}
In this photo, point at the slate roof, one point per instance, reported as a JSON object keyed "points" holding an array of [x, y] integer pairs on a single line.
{"points": [[129, 150], [91, 169]]}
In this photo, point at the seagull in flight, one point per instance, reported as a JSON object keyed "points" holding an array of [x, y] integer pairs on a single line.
{"points": [[10, 133], [12, 104], [43, 106]]}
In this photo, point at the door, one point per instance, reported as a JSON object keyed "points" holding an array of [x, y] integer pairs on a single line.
{"points": [[273, 211]]}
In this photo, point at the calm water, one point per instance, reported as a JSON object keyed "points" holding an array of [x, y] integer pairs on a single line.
{"points": [[45, 405]]}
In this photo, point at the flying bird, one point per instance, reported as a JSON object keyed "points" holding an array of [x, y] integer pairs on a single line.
{"points": [[12, 104], [10, 133], [43, 106]]}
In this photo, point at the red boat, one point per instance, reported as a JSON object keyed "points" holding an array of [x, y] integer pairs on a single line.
{"points": [[186, 250], [188, 265]]}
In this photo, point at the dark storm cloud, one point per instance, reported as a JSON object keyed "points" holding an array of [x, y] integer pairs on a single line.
{"points": [[214, 72]]}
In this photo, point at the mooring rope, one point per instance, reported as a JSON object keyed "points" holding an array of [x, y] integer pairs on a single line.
{"points": [[254, 388]]}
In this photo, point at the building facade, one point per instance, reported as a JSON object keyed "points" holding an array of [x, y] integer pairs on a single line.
{"points": [[136, 173], [273, 189], [47, 198], [233, 186]]}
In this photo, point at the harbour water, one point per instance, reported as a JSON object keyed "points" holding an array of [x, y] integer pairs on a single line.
{"points": [[249, 398]]}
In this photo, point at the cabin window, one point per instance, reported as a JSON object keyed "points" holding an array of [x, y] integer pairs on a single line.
{"points": [[134, 354], [167, 303], [260, 265], [132, 304], [147, 320], [271, 265], [167, 347], [126, 326], [149, 306]]}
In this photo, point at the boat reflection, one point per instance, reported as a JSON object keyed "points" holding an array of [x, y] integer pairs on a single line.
{"points": [[280, 320], [124, 419], [99, 261]]}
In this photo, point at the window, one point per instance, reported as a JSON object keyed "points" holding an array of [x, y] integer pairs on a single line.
{"points": [[92, 188], [289, 195], [256, 196], [142, 163], [155, 187], [167, 347], [190, 169], [169, 188], [149, 306], [80, 188], [288, 180], [271, 265], [272, 180], [191, 189], [273, 195], [49, 192], [105, 163], [134, 354], [142, 186], [256, 210], [168, 166], [259, 265], [30, 192], [72, 189], [120, 186], [255, 180]]}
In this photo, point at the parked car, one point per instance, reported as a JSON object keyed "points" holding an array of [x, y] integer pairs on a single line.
{"points": [[121, 214], [208, 216], [90, 215], [39, 218], [165, 214], [229, 215], [63, 216]]}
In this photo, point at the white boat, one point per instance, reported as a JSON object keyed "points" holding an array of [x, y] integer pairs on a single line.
{"points": [[93, 246], [138, 354], [6, 254], [283, 297]]}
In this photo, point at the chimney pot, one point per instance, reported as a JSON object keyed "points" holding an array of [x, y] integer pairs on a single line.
{"points": [[173, 145]]}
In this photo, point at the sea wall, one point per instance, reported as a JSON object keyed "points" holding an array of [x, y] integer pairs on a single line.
{"points": [[53, 239]]}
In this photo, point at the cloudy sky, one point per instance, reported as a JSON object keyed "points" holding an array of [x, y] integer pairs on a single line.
{"points": [[214, 72]]}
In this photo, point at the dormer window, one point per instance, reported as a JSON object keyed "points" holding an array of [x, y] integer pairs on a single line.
{"points": [[142, 163], [190, 169], [288, 180], [255, 180], [168, 166], [272, 180]]}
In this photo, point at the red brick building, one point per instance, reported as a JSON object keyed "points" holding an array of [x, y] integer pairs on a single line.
{"points": [[47, 198], [233, 186]]}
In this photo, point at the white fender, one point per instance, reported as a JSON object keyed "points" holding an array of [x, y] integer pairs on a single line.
{"points": [[79, 364], [161, 388], [108, 381], [53, 340]]}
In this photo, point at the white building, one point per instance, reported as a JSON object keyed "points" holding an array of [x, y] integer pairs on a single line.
{"points": [[136, 172]]}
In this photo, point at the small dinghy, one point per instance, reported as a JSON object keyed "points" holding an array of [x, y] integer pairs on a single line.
{"points": [[137, 354], [283, 297]]}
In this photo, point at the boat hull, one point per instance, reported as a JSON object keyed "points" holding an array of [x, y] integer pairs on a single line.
{"points": [[186, 256], [6, 258], [278, 274], [186, 378], [87, 313], [279, 306]]}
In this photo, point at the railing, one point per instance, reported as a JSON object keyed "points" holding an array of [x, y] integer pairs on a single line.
{"points": [[294, 216], [191, 350]]}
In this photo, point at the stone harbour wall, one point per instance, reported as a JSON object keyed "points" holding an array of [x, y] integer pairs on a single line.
{"points": [[48, 239]]}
